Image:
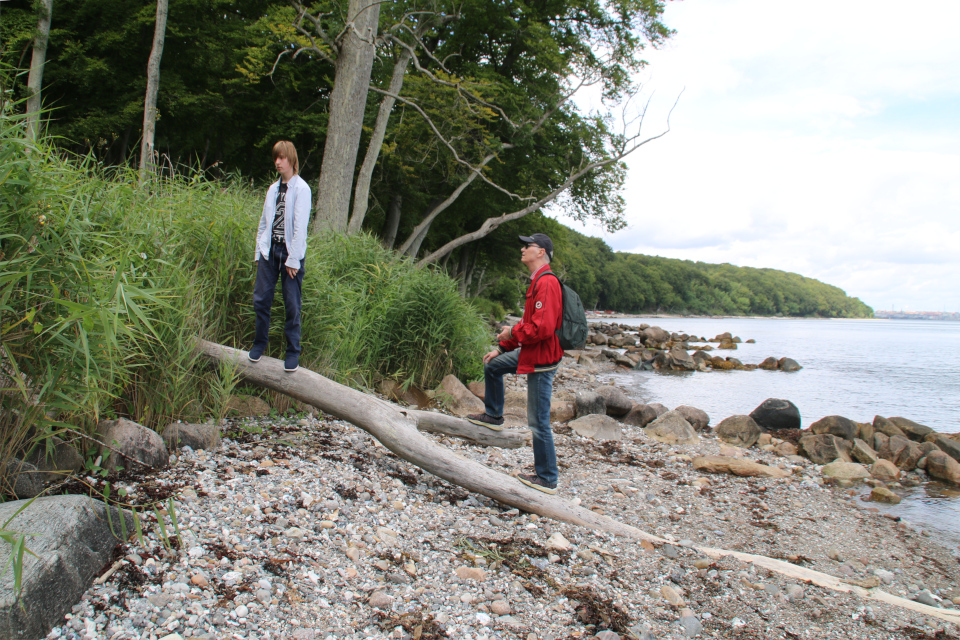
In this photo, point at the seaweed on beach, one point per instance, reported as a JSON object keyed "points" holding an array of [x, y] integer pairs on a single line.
{"points": [[595, 611], [420, 626]]}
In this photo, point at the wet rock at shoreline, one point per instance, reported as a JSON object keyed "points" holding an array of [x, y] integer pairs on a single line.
{"points": [[789, 365], [769, 364], [947, 445], [672, 428], [943, 467], [616, 401], [836, 425], [913, 430], [863, 453], [885, 471], [840, 470], [822, 449], [887, 428], [697, 418], [640, 416], [775, 414], [882, 494], [740, 431], [902, 452]]}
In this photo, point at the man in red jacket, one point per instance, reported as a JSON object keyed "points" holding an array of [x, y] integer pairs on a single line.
{"points": [[538, 357]]}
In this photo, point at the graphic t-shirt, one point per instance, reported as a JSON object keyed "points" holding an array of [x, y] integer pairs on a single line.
{"points": [[281, 211]]}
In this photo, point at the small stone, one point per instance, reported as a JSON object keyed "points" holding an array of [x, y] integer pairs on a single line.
{"points": [[199, 580], [701, 563], [688, 621], [353, 553], [380, 600], [833, 554], [670, 595], [327, 524], [558, 542], [471, 573], [500, 607], [242, 611], [794, 593]]}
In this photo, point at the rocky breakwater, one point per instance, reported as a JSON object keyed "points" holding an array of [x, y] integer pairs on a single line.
{"points": [[649, 348]]}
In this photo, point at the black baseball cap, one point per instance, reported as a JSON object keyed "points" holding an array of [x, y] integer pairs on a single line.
{"points": [[541, 240]]}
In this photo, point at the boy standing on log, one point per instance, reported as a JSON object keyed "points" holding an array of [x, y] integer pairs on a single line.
{"points": [[538, 357], [281, 248]]}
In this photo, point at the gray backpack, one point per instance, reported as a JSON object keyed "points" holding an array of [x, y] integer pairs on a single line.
{"points": [[572, 331]]}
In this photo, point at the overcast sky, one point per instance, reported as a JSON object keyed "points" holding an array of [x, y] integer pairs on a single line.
{"points": [[818, 137]]}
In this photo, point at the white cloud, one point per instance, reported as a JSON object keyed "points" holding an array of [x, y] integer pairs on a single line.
{"points": [[819, 138]]}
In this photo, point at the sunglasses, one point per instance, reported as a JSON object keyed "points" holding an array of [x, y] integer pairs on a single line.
{"points": [[530, 244]]}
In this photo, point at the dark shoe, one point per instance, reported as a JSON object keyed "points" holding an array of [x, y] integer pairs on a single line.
{"points": [[256, 352], [535, 481], [291, 363], [488, 421]]}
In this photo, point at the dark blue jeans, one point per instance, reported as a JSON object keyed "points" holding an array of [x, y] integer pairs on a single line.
{"points": [[539, 391], [263, 291]]}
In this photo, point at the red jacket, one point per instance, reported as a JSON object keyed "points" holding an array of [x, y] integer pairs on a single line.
{"points": [[535, 334]]}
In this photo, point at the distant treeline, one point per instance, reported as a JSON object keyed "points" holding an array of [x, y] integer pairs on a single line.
{"points": [[638, 283]]}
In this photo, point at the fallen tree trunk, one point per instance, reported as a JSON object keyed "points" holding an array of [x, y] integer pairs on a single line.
{"points": [[397, 430]]}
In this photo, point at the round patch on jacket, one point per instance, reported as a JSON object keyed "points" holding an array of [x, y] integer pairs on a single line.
{"points": [[539, 304]]}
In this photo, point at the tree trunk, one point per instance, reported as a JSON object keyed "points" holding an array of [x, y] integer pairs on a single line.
{"points": [[347, 105], [35, 79], [361, 195], [413, 246], [396, 429], [393, 221], [153, 86]]}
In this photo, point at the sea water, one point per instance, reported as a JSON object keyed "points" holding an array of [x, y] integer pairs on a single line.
{"points": [[853, 368]]}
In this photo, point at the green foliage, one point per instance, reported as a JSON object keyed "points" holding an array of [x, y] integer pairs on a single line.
{"points": [[104, 284], [638, 283]]}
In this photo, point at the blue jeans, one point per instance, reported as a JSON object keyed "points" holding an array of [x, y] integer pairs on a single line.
{"points": [[268, 271], [539, 391]]}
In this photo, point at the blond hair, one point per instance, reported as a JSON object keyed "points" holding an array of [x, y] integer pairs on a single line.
{"points": [[285, 149]]}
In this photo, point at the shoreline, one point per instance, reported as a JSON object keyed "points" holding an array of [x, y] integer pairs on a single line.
{"points": [[311, 529]]}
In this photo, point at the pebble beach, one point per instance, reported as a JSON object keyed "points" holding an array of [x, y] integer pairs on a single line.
{"points": [[305, 527]]}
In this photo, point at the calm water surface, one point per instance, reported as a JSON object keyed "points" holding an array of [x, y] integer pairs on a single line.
{"points": [[853, 368]]}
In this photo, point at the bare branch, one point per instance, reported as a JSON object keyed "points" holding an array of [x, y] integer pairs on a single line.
{"points": [[450, 147]]}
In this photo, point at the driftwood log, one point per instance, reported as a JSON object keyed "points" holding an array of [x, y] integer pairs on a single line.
{"points": [[398, 430]]}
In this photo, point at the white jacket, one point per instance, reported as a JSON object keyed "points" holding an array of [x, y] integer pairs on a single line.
{"points": [[296, 217]]}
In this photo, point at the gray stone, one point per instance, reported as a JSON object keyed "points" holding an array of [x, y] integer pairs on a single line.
{"points": [[902, 452], [195, 436], [697, 418], [135, 443], [927, 598], [655, 334], [640, 416], [862, 452], [54, 459], [72, 544], [943, 467], [660, 409], [22, 478], [789, 364], [689, 623], [947, 445], [597, 427], [774, 414], [836, 425], [822, 449], [672, 428], [913, 430], [244, 406], [769, 364], [740, 431], [681, 360], [887, 428], [589, 403], [617, 402]]}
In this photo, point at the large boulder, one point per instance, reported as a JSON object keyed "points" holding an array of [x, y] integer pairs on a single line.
{"points": [[618, 404], [822, 449], [21, 478], [769, 364], [128, 444], [885, 471], [740, 431], [943, 467], [737, 467], [597, 427], [948, 445], [71, 543], [54, 459], [587, 403], [458, 399], [195, 436], [599, 338], [863, 453], [561, 411], [681, 360], [788, 365], [655, 334], [672, 428], [866, 432], [641, 415], [774, 414], [660, 409], [913, 430], [887, 428], [902, 452], [841, 470], [697, 418], [836, 425]]}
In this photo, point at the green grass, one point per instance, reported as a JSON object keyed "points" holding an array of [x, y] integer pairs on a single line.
{"points": [[104, 282]]}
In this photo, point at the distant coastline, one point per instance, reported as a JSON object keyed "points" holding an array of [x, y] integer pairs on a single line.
{"points": [[917, 315]]}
